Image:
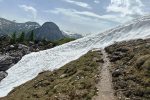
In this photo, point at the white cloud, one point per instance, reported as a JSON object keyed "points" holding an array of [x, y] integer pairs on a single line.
{"points": [[81, 4], [87, 14], [82, 22], [126, 7], [96, 1], [30, 9]]}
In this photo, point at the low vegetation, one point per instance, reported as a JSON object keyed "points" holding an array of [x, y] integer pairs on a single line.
{"points": [[74, 81], [64, 40], [131, 69], [16, 39]]}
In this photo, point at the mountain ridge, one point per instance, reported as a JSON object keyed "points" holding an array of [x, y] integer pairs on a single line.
{"points": [[48, 31], [7, 27]]}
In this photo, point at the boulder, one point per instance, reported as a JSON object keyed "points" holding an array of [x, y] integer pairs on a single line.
{"points": [[3, 75], [117, 56], [21, 46], [124, 49], [5, 63], [114, 58], [31, 43], [116, 73], [10, 47]]}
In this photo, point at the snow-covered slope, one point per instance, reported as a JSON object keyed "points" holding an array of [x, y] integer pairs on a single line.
{"points": [[71, 35], [51, 59]]}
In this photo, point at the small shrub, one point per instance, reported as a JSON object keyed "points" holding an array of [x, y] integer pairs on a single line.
{"points": [[140, 61]]}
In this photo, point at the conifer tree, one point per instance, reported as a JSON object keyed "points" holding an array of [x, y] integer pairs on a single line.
{"points": [[13, 38], [31, 37], [22, 37]]}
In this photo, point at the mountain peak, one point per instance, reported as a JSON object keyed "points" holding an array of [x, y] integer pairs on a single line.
{"points": [[29, 22], [50, 25], [48, 31]]}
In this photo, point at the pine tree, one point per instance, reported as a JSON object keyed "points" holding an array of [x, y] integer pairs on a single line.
{"points": [[22, 37], [13, 38], [31, 37]]}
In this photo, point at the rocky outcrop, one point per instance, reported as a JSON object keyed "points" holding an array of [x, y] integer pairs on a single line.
{"points": [[6, 62], [2, 75], [48, 31], [11, 54]]}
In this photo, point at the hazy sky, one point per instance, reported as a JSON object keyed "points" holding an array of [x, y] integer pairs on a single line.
{"points": [[81, 16]]}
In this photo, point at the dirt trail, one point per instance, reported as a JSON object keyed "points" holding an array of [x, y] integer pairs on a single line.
{"points": [[105, 84]]}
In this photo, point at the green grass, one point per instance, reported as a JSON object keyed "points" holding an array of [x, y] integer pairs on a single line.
{"points": [[64, 40]]}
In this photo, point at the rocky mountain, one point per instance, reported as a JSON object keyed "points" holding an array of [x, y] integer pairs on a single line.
{"points": [[8, 27], [71, 35], [48, 31]]}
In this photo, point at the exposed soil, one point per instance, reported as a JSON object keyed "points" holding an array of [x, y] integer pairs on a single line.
{"points": [[105, 84]]}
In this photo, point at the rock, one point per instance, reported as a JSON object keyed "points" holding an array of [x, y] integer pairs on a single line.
{"points": [[31, 43], [21, 46], [124, 49], [3, 75], [147, 45], [116, 73], [40, 43], [16, 54], [63, 75], [37, 49], [115, 58], [10, 47], [98, 60], [50, 45], [5, 63], [122, 84], [16, 59]]}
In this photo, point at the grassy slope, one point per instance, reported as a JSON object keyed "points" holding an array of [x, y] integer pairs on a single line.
{"points": [[74, 81], [132, 59], [64, 40]]}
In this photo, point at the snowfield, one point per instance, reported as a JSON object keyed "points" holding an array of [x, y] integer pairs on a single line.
{"points": [[32, 64]]}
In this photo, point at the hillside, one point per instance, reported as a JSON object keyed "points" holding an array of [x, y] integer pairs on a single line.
{"points": [[55, 58], [74, 81], [131, 69], [78, 79], [11, 53]]}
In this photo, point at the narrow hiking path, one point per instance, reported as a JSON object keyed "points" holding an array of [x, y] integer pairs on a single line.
{"points": [[105, 85]]}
